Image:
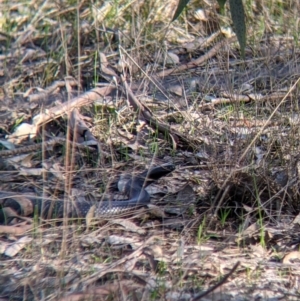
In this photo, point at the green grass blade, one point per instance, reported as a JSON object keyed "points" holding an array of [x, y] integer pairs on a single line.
{"points": [[181, 6], [238, 18], [222, 5]]}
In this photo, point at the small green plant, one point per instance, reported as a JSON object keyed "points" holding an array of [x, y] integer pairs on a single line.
{"points": [[161, 268], [224, 213], [154, 295], [262, 232], [240, 241], [248, 273], [154, 147], [96, 258], [200, 234], [260, 215], [18, 121]]}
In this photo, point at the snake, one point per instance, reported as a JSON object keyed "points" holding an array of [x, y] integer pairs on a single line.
{"points": [[134, 188]]}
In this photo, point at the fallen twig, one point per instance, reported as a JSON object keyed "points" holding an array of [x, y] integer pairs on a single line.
{"points": [[201, 295], [195, 63]]}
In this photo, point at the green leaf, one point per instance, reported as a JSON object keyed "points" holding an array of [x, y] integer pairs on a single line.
{"points": [[222, 5], [238, 18], [181, 6]]}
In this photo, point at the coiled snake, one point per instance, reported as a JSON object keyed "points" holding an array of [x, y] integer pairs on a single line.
{"points": [[134, 188]]}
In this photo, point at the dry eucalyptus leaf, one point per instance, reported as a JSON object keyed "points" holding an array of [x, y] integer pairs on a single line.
{"points": [[250, 231], [89, 240], [168, 58], [258, 251], [58, 171], [129, 226], [172, 296], [121, 240], [7, 144], [18, 229], [291, 257], [177, 90], [30, 54], [22, 132], [155, 250], [24, 160], [156, 211], [3, 246], [130, 264], [201, 15], [297, 219], [90, 216], [174, 223], [31, 171], [17, 246]]}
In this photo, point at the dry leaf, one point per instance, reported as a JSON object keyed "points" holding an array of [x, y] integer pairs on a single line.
{"points": [[121, 240], [7, 144], [15, 248], [22, 132], [156, 211], [169, 58], [291, 257], [90, 216], [155, 251], [129, 226], [297, 219], [18, 229], [31, 171], [3, 246]]}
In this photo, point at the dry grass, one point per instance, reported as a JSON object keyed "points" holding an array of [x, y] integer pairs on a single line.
{"points": [[234, 132]]}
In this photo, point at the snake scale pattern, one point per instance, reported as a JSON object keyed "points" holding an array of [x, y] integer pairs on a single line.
{"points": [[134, 188]]}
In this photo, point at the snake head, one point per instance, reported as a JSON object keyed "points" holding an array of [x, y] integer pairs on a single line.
{"points": [[147, 177]]}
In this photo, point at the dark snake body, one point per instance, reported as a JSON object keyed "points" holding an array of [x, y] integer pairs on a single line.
{"points": [[79, 207]]}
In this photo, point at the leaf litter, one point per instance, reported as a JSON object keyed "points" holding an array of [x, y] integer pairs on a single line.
{"points": [[74, 135]]}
